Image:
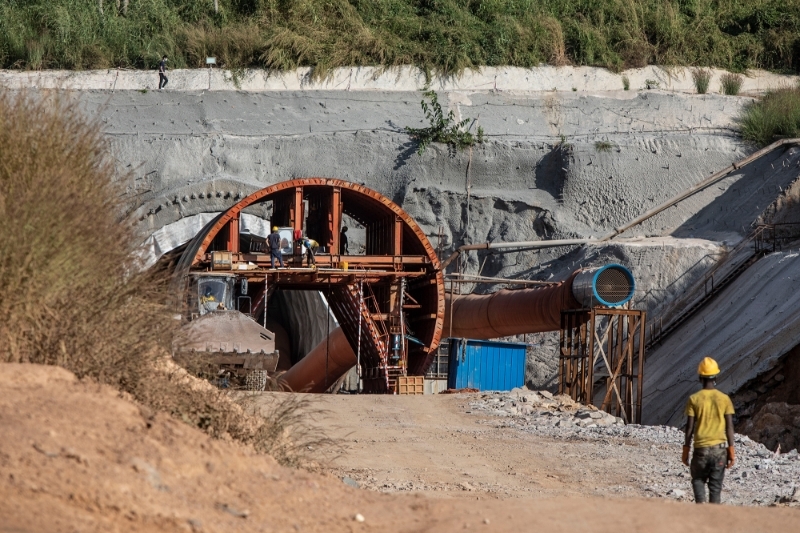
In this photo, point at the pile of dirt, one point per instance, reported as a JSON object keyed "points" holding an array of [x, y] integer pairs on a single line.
{"points": [[76, 456]]}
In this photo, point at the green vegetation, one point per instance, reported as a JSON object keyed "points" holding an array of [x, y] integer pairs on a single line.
{"points": [[603, 146], [775, 115], [731, 83], [443, 128], [626, 83], [442, 35], [701, 78]]}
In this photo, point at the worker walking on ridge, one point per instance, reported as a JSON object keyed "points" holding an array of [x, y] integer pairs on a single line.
{"points": [[162, 73], [274, 241], [311, 248], [710, 421]]}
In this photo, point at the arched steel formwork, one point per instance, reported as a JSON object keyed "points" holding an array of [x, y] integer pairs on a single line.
{"points": [[393, 294]]}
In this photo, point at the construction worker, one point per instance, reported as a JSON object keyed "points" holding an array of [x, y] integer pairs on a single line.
{"points": [[344, 245], [274, 241], [311, 248], [710, 422]]}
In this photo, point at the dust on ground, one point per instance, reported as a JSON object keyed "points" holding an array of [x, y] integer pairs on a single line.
{"points": [[76, 456], [526, 444]]}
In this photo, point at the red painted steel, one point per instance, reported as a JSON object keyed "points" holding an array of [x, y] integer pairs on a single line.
{"points": [[510, 312], [396, 248], [323, 365]]}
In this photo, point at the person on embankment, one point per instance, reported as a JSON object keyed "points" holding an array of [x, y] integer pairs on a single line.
{"points": [[162, 73], [710, 422]]}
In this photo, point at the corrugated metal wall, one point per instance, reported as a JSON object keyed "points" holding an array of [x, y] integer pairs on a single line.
{"points": [[486, 365]]}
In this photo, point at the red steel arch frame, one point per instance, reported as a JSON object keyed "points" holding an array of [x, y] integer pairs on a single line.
{"points": [[400, 270]]}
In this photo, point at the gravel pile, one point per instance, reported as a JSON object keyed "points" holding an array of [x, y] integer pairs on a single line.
{"points": [[760, 476]]}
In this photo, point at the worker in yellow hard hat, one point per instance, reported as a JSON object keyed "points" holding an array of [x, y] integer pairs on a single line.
{"points": [[710, 422], [274, 241]]}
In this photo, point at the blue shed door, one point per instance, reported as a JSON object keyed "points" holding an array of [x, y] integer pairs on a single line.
{"points": [[486, 365]]}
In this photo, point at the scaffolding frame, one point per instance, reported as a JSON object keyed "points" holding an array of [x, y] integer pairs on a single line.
{"points": [[612, 340]]}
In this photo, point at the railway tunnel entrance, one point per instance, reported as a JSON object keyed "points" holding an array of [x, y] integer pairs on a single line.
{"points": [[388, 298]]}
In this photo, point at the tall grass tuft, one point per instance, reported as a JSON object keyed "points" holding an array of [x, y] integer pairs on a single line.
{"points": [[701, 78], [731, 83], [74, 295], [775, 115], [447, 36]]}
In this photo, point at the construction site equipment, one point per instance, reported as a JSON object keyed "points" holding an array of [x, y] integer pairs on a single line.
{"points": [[392, 293], [604, 347], [412, 385], [486, 365], [534, 310], [229, 341], [389, 301]]}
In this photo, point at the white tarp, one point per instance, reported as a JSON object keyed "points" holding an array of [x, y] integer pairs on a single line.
{"points": [[178, 233]]}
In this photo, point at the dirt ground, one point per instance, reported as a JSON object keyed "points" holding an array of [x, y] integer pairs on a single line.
{"points": [[432, 444], [77, 457]]}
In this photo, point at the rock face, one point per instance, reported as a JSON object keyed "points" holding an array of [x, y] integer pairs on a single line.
{"points": [[555, 164]]}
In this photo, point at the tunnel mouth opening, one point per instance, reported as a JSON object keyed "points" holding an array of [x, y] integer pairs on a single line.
{"points": [[613, 285]]}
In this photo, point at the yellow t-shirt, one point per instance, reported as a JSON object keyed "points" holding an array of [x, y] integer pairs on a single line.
{"points": [[709, 407]]}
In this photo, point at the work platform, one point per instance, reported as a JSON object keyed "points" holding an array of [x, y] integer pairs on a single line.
{"points": [[388, 300]]}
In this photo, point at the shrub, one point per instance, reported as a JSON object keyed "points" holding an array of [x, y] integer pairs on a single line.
{"points": [[626, 83], [603, 146], [446, 35], [443, 128], [776, 114], [701, 77], [74, 293], [731, 83], [80, 302]]}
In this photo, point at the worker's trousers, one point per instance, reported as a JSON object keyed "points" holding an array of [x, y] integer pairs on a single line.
{"points": [[273, 255], [708, 467]]}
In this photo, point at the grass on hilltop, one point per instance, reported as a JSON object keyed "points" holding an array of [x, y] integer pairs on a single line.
{"points": [[774, 116], [441, 35]]}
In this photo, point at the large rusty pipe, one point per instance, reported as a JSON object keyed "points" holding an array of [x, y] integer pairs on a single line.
{"points": [[322, 366], [515, 312], [508, 312], [481, 316]]}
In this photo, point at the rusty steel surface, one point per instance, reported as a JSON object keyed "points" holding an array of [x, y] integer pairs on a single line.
{"points": [[233, 212], [323, 365], [614, 339], [398, 254], [509, 312]]}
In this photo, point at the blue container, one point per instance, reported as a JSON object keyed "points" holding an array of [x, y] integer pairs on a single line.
{"points": [[486, 365]]}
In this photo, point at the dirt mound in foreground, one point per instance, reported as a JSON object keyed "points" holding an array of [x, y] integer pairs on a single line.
{"points": [[78, 457]]}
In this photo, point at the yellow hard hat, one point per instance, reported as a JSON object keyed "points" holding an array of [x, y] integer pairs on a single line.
{"points": [[708, 368], [274, 228]]}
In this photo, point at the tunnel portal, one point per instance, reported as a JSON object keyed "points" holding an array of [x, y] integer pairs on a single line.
{"points": [[388, 298]]}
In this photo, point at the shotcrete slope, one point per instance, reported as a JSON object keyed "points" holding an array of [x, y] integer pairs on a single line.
{"points": [[746, 328]]}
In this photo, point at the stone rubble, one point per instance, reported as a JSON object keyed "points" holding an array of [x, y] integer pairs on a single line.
{"points": [[759, 477]]}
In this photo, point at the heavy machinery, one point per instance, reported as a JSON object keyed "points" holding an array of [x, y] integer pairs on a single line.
{"points": [[389, 301]]}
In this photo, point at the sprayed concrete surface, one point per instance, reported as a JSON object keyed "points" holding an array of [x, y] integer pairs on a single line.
{"points": [[746, 328], [555, 164], [542, 78]]}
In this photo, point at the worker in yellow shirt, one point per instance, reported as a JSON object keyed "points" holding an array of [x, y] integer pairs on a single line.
{"points": [[710, 422]]}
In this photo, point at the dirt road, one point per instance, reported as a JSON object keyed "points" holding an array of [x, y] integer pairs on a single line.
{"points": [[433, 444], [78, 457]]}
